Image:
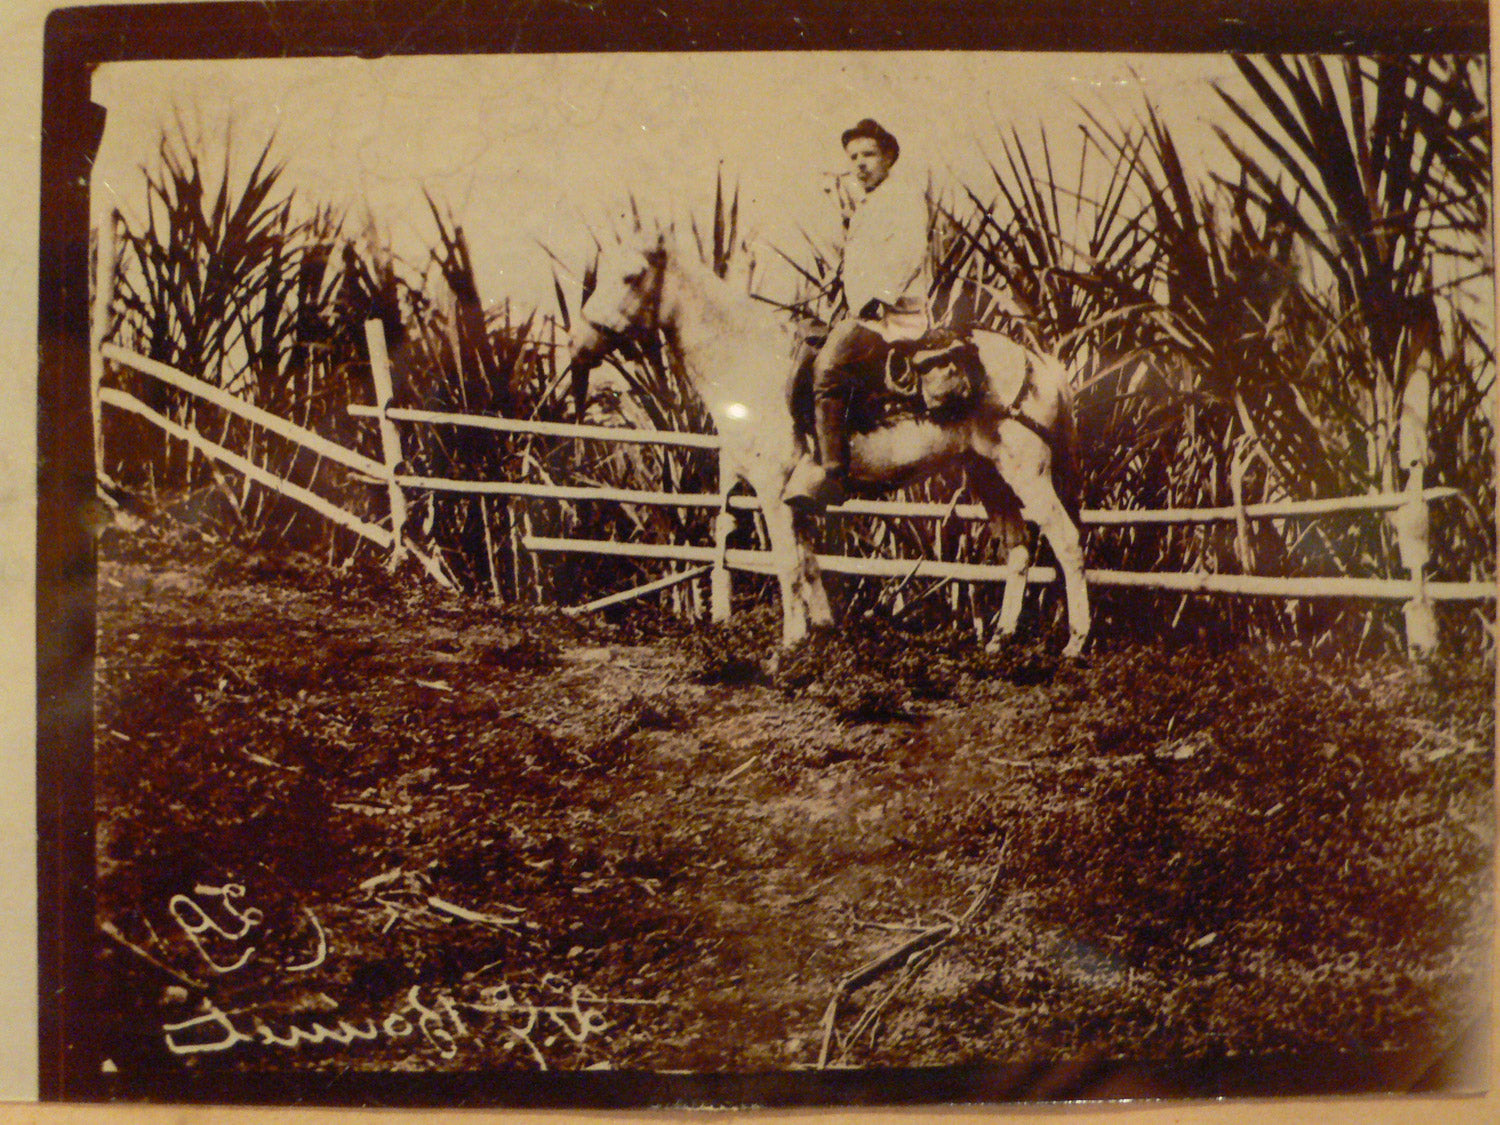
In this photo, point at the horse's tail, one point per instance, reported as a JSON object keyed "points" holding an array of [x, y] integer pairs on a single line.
{"points": [[1067, 471]]}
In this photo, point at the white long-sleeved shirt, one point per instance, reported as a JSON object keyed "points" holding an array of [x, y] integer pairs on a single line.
{"points": [[885, 257]]}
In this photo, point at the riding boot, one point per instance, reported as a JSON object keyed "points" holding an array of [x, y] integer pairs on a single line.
{"points": [[815, 485], [833, 444]]}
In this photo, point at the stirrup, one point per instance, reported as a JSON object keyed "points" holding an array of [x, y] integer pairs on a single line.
{"points": [[811, 487]]}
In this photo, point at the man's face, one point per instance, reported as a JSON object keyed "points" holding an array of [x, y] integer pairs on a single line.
{"points": [[871, 163]]}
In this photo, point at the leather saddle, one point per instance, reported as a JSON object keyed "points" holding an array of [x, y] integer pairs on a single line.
{"points": [[938, 376]]}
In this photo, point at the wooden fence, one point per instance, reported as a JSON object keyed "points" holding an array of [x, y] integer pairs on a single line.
{"points": [[1409, 509]]}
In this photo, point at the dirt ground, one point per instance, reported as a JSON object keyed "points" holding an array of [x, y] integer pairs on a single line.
{"points": [[351, 822]]}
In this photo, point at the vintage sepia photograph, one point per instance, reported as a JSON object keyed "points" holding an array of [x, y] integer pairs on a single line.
{"points": [[747, 575]]}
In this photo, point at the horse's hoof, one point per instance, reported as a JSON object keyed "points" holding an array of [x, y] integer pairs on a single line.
{"points": [[1074, 650], [1001, 637]]}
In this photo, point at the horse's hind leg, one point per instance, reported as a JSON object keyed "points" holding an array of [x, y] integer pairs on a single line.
{"points": [[1018, 563], [1009, 530], [1040, 503]]}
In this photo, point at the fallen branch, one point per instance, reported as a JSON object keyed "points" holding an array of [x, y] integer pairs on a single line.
{"points": [[927, 939], [638, 591], [913, 954], [896, 957], [870, 1017], [739, 769], [382, 879], [891, 927], [984, 894], [264, 761], [434, 564]]}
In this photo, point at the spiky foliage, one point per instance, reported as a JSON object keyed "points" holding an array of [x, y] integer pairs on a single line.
{"points": [[229, 281], [1380, 172], [1042, 258], [198, 258], [451, 353], [1250, 337], [1382, 168]]}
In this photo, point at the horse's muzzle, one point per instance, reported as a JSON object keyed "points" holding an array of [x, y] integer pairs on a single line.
{"points": [[588, 346]]}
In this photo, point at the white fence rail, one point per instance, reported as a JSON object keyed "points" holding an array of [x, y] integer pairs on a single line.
{"points": [[108, 396], [1408, 509], [761, 562]]}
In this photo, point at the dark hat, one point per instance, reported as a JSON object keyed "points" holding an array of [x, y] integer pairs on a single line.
{"points": [[872, 129]]}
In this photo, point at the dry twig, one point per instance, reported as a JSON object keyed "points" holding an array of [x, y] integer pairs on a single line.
{"points": [[913, 955]]}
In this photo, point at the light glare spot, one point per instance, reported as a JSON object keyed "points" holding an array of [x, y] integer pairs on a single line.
{"points": [[738, 411]]}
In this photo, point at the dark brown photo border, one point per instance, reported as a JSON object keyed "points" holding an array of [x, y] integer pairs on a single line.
{"points": [[81, 39]]}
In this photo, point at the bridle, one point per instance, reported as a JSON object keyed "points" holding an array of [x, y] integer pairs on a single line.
{"points": [[641, 331], [646, 322]]}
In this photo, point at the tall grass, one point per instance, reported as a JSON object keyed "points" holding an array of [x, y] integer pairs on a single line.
{"points": [[236, 284], [1382, 170]]}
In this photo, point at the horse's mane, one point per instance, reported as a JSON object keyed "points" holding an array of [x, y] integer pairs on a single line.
{"points": [[730, 303]]}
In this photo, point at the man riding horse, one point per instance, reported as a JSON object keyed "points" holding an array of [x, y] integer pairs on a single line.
{"points": [[1008, 422], [886, 279]]}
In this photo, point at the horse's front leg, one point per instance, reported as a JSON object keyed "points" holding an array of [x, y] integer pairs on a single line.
{"points": [[819, 613], [803, 597], [788, 560]]}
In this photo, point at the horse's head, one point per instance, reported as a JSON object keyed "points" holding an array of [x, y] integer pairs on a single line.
{"points": [[626, 301], [628, 290]]}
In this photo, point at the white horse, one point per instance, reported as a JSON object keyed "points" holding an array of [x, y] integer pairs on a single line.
{"points": [[1014, 442]]}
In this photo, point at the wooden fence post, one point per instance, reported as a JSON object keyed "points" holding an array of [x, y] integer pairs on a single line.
{"points": [[1244, 452], [719, 582], [1413, 520], [390, 437], [104, 279]]}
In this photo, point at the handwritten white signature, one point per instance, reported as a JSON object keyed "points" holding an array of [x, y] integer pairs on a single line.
{"points": [[436, 1019], [194, 921], [215, 1030]]}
